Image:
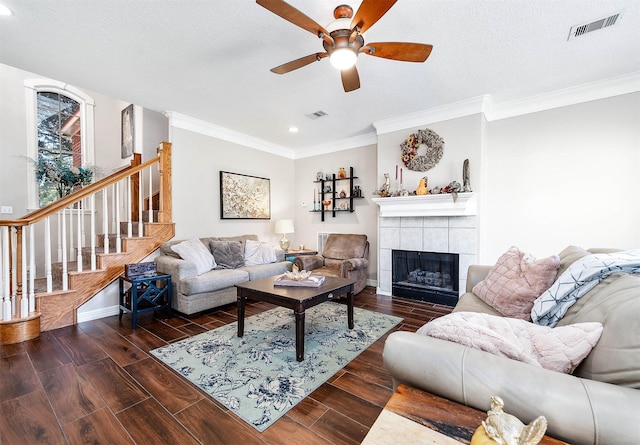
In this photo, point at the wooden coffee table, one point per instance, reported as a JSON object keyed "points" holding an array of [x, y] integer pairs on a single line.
{"points": [[297, 298], [412, 416]]}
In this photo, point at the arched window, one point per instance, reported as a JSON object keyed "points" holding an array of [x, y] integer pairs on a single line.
{"points": [[61, 122]]}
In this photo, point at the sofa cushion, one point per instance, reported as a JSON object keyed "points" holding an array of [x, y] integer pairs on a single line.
{"points": [[267, 270], [194, 251], [212, 281], [227, 254], [614, 302], [516, 280], [165, 248], [558, 349], [256, 253], [568, 256]]}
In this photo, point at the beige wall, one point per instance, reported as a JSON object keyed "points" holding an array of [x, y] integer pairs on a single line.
{"points": [[197, 162], [363, 220], [564, 176]]}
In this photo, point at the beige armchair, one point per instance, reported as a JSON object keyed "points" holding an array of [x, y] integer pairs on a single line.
{"points": [[344, 255]]}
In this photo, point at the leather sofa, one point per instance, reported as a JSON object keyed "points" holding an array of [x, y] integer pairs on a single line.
{"points": [[194, 293], [343, 255], [598, 404]]}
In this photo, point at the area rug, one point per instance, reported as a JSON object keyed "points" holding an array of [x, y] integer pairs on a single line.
{"points": [[257, 376]]}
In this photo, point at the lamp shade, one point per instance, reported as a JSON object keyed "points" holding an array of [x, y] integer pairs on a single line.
{"points": [[284, 226]]}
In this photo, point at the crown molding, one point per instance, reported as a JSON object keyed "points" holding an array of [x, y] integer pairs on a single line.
{"points": [[492, 111], [455, 110], [615, 86], [188, 123], [339, 145]]}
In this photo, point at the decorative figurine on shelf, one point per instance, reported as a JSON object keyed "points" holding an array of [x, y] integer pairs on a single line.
{"points": [[357, 192], [422, 187], [319, 176], [327, 177], [327, 189], [466, 182], [383, 191], [506, 429], [342, 173], [343, 194], [326, 203]]}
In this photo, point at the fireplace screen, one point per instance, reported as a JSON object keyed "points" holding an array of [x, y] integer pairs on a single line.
{"points": [[425, 276]]}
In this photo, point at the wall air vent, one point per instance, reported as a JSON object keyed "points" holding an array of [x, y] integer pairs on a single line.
{"points": [[316, 115], [580, 30]]}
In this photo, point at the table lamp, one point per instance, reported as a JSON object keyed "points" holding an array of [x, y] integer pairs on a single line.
{"points": [[284, 226]]}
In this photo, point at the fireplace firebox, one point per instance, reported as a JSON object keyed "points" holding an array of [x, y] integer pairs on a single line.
{"points": [[425, 276]]}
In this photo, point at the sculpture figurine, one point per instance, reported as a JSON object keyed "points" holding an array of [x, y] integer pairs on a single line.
{"points": [[466, 181], [506, 429], [422, 187], [384, 189]]}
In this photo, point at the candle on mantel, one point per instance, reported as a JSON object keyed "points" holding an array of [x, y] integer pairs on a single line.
{"points": [[314, 195], [400, 176], [396, 172]]}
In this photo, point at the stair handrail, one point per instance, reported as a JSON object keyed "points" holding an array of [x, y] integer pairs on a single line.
{"points": [[163, 158]]}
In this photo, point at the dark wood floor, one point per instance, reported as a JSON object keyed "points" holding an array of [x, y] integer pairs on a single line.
{"points": [[96, 383]]}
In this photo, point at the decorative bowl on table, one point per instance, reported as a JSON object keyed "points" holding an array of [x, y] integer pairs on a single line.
{"points": [[298, 275]]}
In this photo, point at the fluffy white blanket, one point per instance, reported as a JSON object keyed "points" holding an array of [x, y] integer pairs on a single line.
{"points": [[559, 349]]}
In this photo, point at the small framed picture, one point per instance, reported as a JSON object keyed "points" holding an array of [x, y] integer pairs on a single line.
{"points": [[128, 132]]}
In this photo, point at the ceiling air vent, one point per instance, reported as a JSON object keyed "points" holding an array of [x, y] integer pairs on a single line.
{"points": [[316, 115], [580, 30]]}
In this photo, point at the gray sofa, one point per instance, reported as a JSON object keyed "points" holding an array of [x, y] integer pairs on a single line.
{"points": [[194, 293], [598, 404]]}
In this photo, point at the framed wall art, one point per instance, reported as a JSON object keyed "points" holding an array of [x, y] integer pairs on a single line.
{"points": [[127, 132], [244, 197]]}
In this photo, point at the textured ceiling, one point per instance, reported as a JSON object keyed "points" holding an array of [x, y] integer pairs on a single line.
{"points": [[210, 60]]}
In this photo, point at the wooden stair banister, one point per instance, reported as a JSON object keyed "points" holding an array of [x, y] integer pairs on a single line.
{"points": [[22, 314]]}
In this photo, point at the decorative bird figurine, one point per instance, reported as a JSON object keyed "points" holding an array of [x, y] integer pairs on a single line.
{"points": [[506, 429]]}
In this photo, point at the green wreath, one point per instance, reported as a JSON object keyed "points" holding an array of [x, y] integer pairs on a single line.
{"points": [[435, 149]]}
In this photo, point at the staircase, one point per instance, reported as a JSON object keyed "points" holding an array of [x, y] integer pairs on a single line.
{"points": [[51, 299]]}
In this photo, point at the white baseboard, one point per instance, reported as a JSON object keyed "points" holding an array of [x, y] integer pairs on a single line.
{"points": [[98, 313]]}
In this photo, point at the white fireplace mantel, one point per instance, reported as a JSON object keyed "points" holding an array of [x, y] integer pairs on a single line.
{"points": [[461, 204]]}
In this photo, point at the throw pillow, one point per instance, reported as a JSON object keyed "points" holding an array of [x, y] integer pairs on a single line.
{"points": [[516, 280], [227, 254], [194, 251], [257, 252], [559, 349]]}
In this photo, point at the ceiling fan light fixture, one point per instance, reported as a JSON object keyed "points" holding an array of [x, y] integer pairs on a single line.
{"points": [[343, 58]]}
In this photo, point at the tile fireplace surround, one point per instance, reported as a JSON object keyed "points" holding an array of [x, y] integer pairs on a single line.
{"points": [[430, 223]]}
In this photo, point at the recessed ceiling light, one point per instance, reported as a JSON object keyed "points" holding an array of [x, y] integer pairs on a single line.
{"points": [[4, 10], [293, 129]]}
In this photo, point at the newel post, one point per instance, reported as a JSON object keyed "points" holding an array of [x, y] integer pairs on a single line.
{"points": [[135, 188], [165, 210]]}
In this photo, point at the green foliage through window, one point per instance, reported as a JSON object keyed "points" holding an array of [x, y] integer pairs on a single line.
{"points": [[59, 147]]}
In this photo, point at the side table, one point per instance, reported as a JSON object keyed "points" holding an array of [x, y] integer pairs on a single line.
{"points": [[291, 254], [144, 294]]}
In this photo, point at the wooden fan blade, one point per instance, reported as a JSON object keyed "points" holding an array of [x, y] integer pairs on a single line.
{"points": [[370, 12], [403, 51], [291, 14], [350, 79], [298, 63]]}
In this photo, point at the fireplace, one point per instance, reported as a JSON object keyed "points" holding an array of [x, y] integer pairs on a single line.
{"points": [[425, 276]]}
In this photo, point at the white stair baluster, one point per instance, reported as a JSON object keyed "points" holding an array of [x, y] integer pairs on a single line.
{"points": [[105, 219], [79, 251], [117, 225], [65, 277], [6, 301], [92, 207], [47, 248], [128, 201], [32, 268]]}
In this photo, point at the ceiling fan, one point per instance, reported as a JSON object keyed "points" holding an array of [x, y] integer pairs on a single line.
{"points": [[342, 39]]}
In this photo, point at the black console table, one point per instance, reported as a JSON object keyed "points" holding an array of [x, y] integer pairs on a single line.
{"points": [[144, 294]]}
